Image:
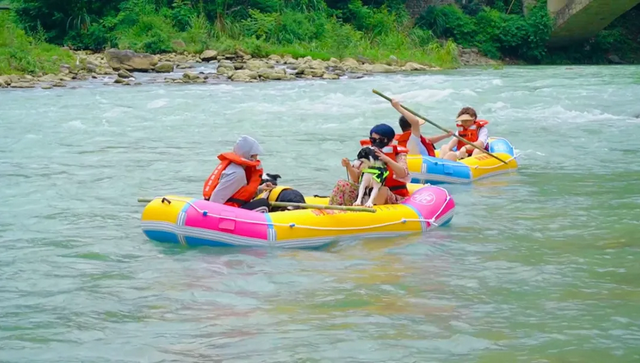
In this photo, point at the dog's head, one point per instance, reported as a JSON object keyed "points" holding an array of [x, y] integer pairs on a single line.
{"points": [[273, 178], [367, 156]]}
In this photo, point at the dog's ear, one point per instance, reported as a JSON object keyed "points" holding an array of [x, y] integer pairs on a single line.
{"points": [[274, 177], [363, 153]]}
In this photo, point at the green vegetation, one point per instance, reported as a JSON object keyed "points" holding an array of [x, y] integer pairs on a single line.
{"points": [[374, 29], [20, 53], [316, 28], [492, 31], [501, 31]]}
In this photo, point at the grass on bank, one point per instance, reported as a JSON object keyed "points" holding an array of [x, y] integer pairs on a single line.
{"points": [[373, 33], [22, 54]]}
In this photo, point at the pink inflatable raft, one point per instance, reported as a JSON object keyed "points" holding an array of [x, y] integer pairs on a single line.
{"points": [[196, 222]]}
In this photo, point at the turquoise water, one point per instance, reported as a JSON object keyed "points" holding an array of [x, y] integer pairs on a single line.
{"points": [[537, 266]]}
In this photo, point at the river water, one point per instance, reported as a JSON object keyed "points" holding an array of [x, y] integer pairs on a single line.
{"points": [[542, 265]]}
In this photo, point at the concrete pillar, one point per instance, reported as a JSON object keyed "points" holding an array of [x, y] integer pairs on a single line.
{"points": [[555, 5]]}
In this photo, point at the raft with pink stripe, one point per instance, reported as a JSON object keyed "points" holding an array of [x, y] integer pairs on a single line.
{"points": [[196, 222]]}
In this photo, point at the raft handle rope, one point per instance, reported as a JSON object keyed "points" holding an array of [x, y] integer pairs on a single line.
{"points": [[292, 225]]}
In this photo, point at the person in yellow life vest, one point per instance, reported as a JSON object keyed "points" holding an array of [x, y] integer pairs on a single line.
{"points": [[236, 180], [470, 129]]}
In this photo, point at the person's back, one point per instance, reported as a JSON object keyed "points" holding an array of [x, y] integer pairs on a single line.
{"points": [[236, 180], [411, 138], [232, 179], [416, 144]]}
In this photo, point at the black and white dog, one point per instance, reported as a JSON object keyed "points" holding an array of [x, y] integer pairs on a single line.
{"points": [[374, 174], [272, 178]]}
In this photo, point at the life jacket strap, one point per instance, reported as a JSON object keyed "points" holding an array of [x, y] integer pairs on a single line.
{"points": [[239, 202]]}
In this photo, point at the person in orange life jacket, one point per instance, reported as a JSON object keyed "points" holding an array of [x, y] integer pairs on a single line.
{"points": [[395, 189], [411, 138], [236, 180], [470, 129]]}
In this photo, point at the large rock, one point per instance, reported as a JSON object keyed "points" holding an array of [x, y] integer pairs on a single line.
{"points": [[124, 74], [244, 75], [209, 55], [411, 66], [256, 65], [272, 74], [190, 76], [351, 65], [225, 67], [318, 64], [130, 60], [164, 67], [382, 68], [6, 80], [274, 58], [22, 85], [289, 60], [313, 72], [330, 76]]}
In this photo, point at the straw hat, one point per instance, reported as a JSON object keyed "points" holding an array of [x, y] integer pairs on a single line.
{"points": [[465, 117]]}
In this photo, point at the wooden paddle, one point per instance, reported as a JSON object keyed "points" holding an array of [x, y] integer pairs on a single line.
{"points": [[441, 128], [303, 205]]}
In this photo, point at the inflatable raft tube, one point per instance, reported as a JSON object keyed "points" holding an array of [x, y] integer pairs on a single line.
{"points": [[433, 170], [196, 222]]}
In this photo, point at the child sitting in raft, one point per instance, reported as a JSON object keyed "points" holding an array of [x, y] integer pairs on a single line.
{"points": [[470, 129], [395, 189], [236, 180]]}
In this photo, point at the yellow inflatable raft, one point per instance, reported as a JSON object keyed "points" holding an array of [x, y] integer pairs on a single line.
{"points": [[196, 222], [433, 170]]}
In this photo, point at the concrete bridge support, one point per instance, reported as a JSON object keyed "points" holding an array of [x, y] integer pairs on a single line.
{"points": [[579, 20]]}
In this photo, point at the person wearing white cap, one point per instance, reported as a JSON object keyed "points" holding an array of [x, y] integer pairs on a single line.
{"points": [[470, 129], [237, 180]]}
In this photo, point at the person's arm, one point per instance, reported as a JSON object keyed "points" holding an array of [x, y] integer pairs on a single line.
{"points": [[354, 171], [483, 137], [437, 139], [399, 170], [230, 182], [401, 160], [413, 120], [264, 187]]}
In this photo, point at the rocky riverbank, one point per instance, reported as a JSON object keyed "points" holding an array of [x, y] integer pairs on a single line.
{"points": [[125, 67]]}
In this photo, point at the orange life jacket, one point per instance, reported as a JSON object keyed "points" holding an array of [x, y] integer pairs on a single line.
{"points": [[395, 186], [470, 134], [403, 139], [253, 171]]}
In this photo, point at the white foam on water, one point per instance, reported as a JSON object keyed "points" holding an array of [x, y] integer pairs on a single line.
{"points": [[558, 112], [116, 112], [158, 103], [497, 106], [425, 95], [75, 124], [468, 92]]}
